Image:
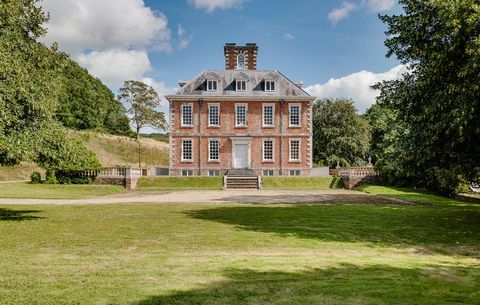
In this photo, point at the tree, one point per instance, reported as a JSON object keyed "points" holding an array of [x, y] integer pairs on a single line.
{"points": [[86, 103], [340, 136], [30, 77], [143, 101], [438, 101]]}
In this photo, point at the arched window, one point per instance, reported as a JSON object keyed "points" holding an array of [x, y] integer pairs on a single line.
{"points": [[241, 61]]}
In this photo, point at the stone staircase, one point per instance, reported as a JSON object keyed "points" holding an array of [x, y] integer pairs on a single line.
{"points": [[241, 179]]}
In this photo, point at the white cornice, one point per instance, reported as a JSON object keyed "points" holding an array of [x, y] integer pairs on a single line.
{"points": [[252, 98]]}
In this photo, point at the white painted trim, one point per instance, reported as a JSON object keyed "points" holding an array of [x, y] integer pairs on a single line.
{"points": [[208, 114], [236, 85], [181, 148], [299, 114], [263, 114], [236, 98], [212, 80], [208, 149], [181, 115], [273, 150], [246, 114], [244, 61], [274, 85], [299, 150]]}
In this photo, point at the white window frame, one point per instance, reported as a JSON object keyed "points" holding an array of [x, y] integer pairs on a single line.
{"points": [[238, 61], [269, 171], [236, 114], [290, 106], [238, 87], [213, 171], [295, 171], [290, 159], [209, 116], [209, 151], [273, 115], [190, 105], [270, 82], [212, 81], [188, 171], [182, 152], [263, 150]]}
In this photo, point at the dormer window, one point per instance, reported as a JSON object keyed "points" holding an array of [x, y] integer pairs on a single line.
{"points": [[269, 85], [241, 85], [211, 85], [241, 61]]}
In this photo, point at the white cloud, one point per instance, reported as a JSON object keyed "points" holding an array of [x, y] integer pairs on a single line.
{"points": [[211, 5], [288, 36], [379, 5], [355, 86], [116, 65], [103, 24], [161, 88], [342, 12], [183, 38]]}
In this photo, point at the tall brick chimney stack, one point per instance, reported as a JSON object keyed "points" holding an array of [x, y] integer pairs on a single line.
{"points": [[241, 57]]}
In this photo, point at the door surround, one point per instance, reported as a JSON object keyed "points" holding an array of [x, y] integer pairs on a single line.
{"points": [[241, 140]]}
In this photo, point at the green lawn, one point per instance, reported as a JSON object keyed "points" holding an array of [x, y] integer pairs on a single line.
{"points": [[242, 254], [301, 183], [180, 183], [55, 191]]}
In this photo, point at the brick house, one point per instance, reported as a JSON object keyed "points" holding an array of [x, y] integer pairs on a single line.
{"points": [[240, 118]]}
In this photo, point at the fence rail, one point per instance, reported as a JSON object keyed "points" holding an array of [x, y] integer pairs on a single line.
{"points": [[363, 171]]}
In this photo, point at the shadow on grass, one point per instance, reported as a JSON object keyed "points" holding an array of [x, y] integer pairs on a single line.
{"points": [[445, 230], [17, 215], [347, 284], [350, 199]]}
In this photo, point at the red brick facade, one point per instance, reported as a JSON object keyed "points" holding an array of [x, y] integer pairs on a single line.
{"points": [[254, 131]]}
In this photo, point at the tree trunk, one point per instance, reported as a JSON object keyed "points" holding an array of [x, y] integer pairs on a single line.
{"points": [[138, 150]]}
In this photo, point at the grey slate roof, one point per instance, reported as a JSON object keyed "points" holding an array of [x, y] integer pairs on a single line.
{"points": [[284, 87]]}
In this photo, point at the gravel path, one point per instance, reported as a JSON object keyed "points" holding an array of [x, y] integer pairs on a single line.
{"points": [[337, 196]]}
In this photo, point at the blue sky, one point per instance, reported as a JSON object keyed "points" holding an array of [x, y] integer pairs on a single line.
{"points": [[334, 46], [294, 37]]}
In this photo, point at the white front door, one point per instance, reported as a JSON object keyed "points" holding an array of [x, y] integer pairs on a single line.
{"points": [[240, 156]]}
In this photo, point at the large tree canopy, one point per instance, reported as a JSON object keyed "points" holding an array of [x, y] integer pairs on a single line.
{"points": [[86, 103], [30, 78], [340, 135], [439, 99]]}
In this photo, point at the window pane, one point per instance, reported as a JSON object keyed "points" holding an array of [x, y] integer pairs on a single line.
{"points": [[187, 117], [294, 150], [213, 115], [187, 150], [268, 150], [268, 115], [213, 150], [241, 119], [294, 115]]}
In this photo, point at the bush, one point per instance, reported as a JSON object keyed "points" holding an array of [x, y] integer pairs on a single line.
{"points": [[50, 177], [36, 178]]}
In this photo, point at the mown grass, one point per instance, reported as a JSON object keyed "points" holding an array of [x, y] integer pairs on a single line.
{"points": [[241, 254], [301, 183], [55, 191], [180, 183]]}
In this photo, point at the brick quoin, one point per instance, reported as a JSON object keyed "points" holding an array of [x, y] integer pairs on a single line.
{"points": [[195, 93]]}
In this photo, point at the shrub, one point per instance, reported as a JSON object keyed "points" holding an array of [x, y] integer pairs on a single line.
{"points": [[36, 178], [50, 177]]}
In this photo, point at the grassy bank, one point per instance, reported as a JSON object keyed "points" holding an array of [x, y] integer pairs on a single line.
{"points": [[55, 191], [180, 183], [241, 254], [301, 183]]}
